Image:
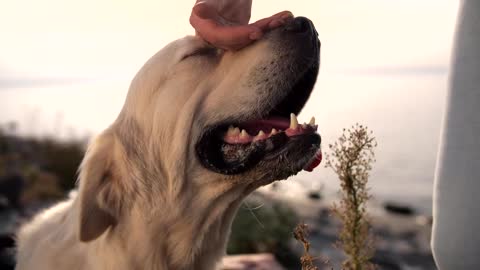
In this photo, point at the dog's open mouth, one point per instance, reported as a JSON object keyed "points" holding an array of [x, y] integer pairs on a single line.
{"points": [[273, 134], [233, 147], [269, 139]]}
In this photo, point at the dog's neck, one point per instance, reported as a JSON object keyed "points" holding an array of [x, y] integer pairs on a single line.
{"points": [[179, 235]]}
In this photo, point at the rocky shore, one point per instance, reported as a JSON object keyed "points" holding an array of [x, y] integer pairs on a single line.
{"points": [[402, 236]]}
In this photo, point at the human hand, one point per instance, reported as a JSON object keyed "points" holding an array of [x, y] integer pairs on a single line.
{"points": [[224, 23]]}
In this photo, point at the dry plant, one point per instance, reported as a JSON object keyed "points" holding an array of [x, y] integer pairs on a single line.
{"points": [[301, 234], [351, 159]]}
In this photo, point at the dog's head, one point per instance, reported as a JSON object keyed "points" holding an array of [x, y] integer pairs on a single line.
{"points": [[198, 116], [248, 124]]}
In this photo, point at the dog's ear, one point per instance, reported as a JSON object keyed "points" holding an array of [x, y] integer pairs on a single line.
{"points": [[99, 192]]}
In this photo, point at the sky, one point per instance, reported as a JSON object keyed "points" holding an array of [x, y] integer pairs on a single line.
{"points": [[58, 40]]}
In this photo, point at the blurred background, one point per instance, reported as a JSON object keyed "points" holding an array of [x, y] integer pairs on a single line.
{"points": [[65, 67]]}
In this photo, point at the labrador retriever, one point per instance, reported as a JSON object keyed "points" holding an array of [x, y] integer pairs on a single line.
{"points": [[201, 129]]}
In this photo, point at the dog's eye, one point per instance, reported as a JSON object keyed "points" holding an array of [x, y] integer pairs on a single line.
{"points": [[205, 51]]}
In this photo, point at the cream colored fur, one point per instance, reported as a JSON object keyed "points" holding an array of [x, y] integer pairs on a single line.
{"points": [[144, 200]]}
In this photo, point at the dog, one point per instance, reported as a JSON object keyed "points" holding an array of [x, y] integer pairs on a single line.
{"points": [[200, 129]]}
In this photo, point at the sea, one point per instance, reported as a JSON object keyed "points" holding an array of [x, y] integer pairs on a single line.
{"points": [[403, 108]]}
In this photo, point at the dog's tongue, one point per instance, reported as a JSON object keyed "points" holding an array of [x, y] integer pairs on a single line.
{"points": [[314, 162]]}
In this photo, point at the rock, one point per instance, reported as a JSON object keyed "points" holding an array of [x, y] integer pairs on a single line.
{"points": [[314, 195], [11, 187], [385, 261], [398, 209], [6, 241], [7, 244]]}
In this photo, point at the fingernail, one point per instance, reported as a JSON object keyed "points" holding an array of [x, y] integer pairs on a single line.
{"points": [[287, 16], [255, 35], [276, 23]]}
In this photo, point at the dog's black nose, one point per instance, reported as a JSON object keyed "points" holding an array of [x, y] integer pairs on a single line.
{"points": [[299, 25]]}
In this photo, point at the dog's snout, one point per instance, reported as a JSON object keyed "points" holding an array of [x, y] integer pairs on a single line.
{"points": [[299, 25]]}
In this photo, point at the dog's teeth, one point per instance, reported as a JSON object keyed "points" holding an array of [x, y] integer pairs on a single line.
{"points": [[293, 121], [236, 131], [261, 136], [312, 121], [230, 131], [273, 132], [244, 134]]}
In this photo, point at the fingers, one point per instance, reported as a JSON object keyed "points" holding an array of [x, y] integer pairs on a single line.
{"points": [[207, 23], [226, 37], [215, 29], [274, 21]]}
